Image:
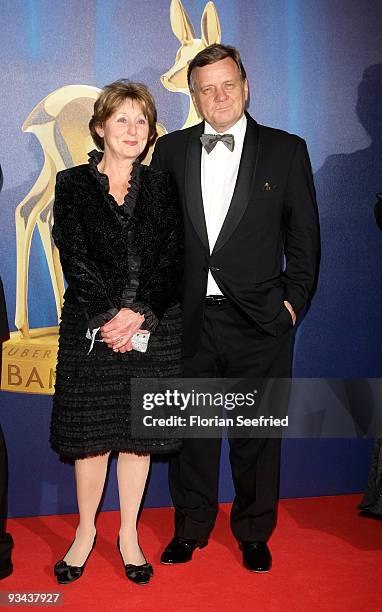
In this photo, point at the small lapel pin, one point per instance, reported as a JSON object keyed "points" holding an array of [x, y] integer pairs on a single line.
{"points": [[268, 186]]}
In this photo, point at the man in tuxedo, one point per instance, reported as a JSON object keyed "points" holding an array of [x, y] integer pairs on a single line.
{"points": [[6, 542], [248, 199]]}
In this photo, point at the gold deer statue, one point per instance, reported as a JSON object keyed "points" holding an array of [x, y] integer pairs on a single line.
{"points": [[60, 122], [175, 79]]}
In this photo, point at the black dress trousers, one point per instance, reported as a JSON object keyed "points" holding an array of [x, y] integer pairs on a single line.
{"points": [[231, 347]]}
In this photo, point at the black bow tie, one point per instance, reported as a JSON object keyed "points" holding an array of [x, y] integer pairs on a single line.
{"points": [[209, 141]]}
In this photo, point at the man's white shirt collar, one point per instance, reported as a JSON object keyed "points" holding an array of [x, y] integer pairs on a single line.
{"points": [[238, 129]]}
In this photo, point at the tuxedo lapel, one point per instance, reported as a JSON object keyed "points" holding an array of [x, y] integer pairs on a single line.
{"points": [[244, 183], [193, 185]]}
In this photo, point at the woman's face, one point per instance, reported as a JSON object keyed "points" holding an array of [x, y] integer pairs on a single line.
{"points": [[126, 131]]}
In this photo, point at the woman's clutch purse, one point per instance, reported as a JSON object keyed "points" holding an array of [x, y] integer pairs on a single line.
{"points": [[140, 341]]}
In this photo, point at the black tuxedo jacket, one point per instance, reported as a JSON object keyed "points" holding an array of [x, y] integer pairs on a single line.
{"points": [[268, 247]]}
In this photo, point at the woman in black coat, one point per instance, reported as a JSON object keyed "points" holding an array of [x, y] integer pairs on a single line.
{"points": [[118, 231]]}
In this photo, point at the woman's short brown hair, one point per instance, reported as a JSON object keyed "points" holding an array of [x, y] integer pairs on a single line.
{"points": [[210, 55], [111, 98]]}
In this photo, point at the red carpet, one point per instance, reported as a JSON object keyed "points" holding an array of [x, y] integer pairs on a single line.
{"points": [[325, 557]]}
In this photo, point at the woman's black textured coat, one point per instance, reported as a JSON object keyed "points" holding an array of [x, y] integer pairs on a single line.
{"points": [[112, 259]]}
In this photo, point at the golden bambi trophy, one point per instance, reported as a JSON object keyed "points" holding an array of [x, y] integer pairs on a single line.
{"points": [[60, 123]]}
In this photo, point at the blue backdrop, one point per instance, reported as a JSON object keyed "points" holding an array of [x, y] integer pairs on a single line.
{"points": [[314, 68]]}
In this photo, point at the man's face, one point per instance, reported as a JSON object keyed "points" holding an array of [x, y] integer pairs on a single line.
{"points": [[219, 93]]}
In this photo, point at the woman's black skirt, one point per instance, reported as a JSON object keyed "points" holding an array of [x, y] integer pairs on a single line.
{"points": [[91, 405]]}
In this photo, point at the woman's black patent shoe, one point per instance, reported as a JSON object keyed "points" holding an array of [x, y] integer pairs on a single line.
{"points": [[139, 574], [69, 573]]}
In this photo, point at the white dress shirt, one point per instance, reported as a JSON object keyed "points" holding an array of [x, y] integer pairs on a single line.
{"points": [[218, 177]]}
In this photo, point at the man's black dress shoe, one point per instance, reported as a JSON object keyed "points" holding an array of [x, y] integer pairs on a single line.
{"points": [[69, 573], [256, 556], [180, 550], [139, 574]]}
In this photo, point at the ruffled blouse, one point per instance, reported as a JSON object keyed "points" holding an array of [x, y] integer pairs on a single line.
{"points": [[125, 211]]}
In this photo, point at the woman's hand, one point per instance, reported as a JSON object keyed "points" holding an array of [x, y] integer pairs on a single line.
{"points": [[118, 332]]}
